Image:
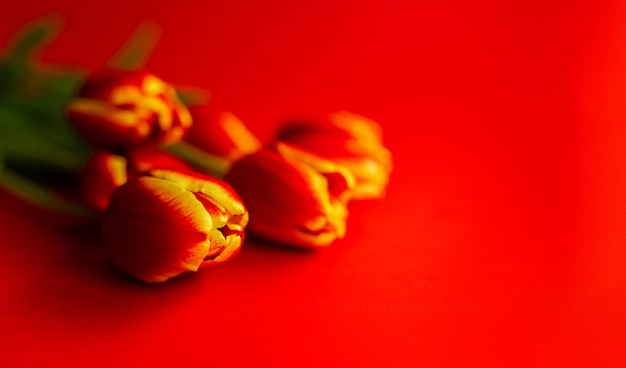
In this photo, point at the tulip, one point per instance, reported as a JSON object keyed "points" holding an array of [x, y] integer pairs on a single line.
{"points": [[220, 133], [165, 223], [144, 159], [104, 172], [349, 140], [117, 110], [292, 202]]}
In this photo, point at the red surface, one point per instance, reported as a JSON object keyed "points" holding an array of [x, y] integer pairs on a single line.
{"points": [[502, 241]]}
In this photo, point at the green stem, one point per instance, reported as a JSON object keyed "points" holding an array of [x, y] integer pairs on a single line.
{"points": [[202, 161], [193, 96], [43, 152], [135, 52], [39, 195]]}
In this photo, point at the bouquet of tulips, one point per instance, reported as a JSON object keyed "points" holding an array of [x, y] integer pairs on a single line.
{"points": [[174, 181]]}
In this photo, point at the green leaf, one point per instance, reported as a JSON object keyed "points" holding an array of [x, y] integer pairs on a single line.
{"points": [[17, 63], [134, 54], [33, 35], [201, 160], [193, 96]]}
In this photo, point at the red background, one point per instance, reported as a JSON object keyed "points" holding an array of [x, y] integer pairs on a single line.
{"points": [[502, 241]]}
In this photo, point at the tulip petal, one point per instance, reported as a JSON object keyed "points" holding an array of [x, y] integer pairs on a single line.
{"points": [[102, 174], [220, 133], [339, 179], [153, 85], [357, 126], [154, 230], [212, 188], [143, 159]]}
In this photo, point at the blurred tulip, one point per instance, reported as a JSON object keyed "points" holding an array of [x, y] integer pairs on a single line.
{"points": [[349, 140], [117, 110], [220, 133], [292, 202], [148, 158], [165, 223], [104, 172]]}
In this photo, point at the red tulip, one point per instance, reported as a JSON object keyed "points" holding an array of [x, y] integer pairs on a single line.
{"points": [[103, 173], [118, 110], [220, 133], [292, 202], [148, 158], [166, 223], [349, 140]]}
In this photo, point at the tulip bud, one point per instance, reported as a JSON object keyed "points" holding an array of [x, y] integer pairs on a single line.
{"points": [[144, 159], [292, 202], [102, 174], [118, 110], [349, 140], [165, 223], [220, 133]]}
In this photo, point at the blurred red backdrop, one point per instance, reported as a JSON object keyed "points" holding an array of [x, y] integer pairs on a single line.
{"points": [[502, 241]]}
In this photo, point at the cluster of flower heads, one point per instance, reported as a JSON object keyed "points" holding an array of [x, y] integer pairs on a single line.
{"points": [[163, 214]]}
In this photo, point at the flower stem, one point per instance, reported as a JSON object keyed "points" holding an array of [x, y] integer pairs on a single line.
{"points": [[39, 195], [202, 161]]}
